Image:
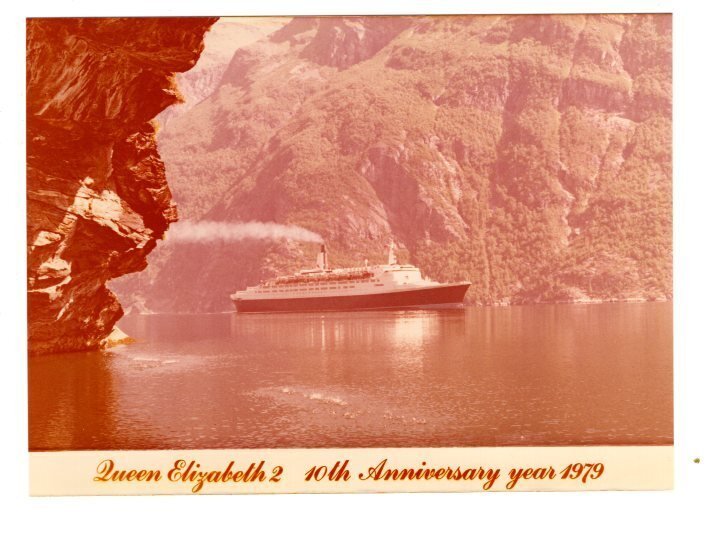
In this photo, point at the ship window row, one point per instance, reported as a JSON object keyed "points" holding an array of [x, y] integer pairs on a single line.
{"points": [[321, 286], [336, 283], [297, 290]]}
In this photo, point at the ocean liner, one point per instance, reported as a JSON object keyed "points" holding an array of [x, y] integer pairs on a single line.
{"points": [[385, 286]]}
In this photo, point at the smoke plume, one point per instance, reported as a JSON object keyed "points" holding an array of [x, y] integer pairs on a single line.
{"points": [[208, 231]]}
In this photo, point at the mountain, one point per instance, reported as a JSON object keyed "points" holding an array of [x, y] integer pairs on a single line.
{"points": [[528, 154], [97, 197], [227, 35]]}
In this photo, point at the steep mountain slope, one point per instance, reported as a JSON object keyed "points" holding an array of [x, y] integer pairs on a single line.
{"points": [[529, 154], [97, 198], [226, 36]]}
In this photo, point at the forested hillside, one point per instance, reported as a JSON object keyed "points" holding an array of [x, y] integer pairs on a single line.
{"points": [[530, 155]]}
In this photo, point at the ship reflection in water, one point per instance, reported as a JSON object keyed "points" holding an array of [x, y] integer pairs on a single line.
{"points": [[532, 375]]}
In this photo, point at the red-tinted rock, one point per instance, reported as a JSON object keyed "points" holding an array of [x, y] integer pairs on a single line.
{"points": [[96, 190]]}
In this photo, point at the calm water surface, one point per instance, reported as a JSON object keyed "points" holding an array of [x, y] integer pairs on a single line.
{"points": [[528, 375]]}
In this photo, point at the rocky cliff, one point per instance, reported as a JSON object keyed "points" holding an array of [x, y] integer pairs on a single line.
{"points": [[528, 154], [97, 196]]}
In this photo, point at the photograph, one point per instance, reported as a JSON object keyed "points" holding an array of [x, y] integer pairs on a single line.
{"points": [[349, 232]]}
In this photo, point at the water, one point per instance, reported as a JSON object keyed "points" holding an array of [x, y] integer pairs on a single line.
{"points": [[527, 375]]}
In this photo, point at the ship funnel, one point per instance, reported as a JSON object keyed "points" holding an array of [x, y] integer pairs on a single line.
{"points": [[322, 261]]}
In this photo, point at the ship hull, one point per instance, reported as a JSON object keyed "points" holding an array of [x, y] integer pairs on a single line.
{"points": [[443, 296]]}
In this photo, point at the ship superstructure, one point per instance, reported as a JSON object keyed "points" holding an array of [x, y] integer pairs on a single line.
{"points": [[385, 286]]}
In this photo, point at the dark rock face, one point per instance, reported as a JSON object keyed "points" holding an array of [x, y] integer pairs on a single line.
{"points": [[530, 155], [97, 196]]}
